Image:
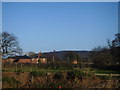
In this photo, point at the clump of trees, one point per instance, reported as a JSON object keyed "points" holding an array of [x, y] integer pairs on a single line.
{"points": [[9, 44], [107, 57]]}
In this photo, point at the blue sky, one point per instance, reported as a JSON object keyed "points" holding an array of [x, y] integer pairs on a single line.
{"points": [[61, 26]]}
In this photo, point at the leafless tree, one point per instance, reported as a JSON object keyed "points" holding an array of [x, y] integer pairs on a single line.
{"points": [[116, 41], [9, 44]]}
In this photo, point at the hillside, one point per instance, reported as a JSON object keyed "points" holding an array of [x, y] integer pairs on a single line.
{"points": [[61, 54]]}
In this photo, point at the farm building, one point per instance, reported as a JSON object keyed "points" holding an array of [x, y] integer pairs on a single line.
{"points": [[22, 59], [25, 59]]}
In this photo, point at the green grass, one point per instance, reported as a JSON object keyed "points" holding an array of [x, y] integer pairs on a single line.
{"points": [[30, 69], [37, 73], [10, 80], [22, 69], [105, 77], [105, 71]]}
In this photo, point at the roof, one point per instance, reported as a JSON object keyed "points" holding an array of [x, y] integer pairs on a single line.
{"points": [[36, 56], [21, 57]]}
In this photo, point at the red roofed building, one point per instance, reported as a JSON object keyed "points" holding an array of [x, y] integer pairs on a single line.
{"points": [[43, 60], [23, 59], [34, 60]]}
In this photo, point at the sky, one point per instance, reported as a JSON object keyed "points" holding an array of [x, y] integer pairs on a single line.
{"points": [[48, 26]]}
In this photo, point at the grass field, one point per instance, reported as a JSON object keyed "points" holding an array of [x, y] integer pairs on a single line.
{"points": [[53, 78], [86, 70]]}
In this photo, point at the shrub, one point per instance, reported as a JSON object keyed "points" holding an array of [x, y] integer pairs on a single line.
{"points": [[37, 73], [58, 75], [10, 80], [76, 73], [36, 85], [56, 85], [70, 75], [79, 73], [105, 77], [19, 71]]}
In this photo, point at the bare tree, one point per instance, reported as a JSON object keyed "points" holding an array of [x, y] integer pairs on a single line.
{"points": [[9, 44], [116, 41], [109, 43]]}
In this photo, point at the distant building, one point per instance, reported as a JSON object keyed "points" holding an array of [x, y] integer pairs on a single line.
{"points": [[75, 62], [25, 59], [43, 60], [34, 60], [8, 60]]}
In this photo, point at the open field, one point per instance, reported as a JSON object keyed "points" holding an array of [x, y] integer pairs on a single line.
{"points": [[35, 77], [45, 68]]}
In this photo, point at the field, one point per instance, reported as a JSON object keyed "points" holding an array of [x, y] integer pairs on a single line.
{"points": [[33, 76]]}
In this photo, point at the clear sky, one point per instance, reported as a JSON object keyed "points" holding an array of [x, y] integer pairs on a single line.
{"points": [[61, 26]]}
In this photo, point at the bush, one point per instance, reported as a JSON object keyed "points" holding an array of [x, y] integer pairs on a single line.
{"points": [[79, 73], [70, 75], [37, 73], [10, 80], [58, 75], [105, 77], [56, 85], [37, 85], [19, 71], [76, 73]]}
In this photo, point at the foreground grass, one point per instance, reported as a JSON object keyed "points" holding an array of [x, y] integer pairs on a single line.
{"points": [[99, 71], [55, 77], [86, 70]]}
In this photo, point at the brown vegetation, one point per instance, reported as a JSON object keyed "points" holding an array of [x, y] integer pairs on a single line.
{"points": [[54, 80]]}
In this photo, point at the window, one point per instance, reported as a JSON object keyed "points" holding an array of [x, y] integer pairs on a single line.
{"points": [[32, 59]]}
